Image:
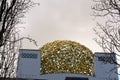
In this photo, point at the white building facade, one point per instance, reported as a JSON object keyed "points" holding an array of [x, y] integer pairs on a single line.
{"points": [[29, 64]]}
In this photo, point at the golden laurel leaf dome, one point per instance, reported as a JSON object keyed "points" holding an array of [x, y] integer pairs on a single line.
{"points": [[65, 56]]}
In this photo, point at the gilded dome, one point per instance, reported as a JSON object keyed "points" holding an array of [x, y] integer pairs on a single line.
{"points": [[65, 56]]}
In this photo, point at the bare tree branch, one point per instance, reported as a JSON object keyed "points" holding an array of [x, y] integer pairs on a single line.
{"points": [[11, 12], [108, 34]]}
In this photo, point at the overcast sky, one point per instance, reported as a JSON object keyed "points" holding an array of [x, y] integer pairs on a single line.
{"points": [[61, 20]]}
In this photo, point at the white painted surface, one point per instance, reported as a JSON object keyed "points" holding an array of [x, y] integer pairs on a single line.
{"points": [[30, 68], [105, 71]]}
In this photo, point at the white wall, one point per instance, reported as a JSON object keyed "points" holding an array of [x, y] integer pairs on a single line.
{"points": [[30, 68], [105, 70]]}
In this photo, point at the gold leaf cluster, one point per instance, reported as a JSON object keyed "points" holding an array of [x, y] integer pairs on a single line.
{"points": [[65, 56]]}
